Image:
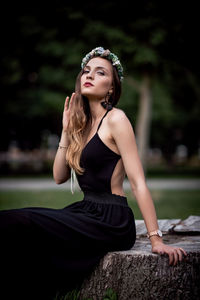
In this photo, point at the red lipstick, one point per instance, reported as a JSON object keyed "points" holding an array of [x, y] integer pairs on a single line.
{"points": [[88, 83]]}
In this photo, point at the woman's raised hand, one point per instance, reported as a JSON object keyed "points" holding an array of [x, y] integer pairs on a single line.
{"points": [[66, 112]]}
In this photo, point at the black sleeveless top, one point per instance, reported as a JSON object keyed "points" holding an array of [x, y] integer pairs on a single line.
{"points": [[99, 162]]}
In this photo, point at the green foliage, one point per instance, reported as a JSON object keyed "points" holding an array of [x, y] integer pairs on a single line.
{"points": [[110, 295], [162, 104], [146, 55], [129, 101], [74, 295], [41, 58]]}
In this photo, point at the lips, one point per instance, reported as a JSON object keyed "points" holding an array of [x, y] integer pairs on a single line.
{"points": [[87, 84]]}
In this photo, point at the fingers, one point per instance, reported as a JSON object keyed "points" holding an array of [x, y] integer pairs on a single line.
{"points": [[69, 102], [66, 103], [176, 255], [171, 258], [184, 252]]}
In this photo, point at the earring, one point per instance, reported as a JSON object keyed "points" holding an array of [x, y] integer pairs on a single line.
{"points": [[106, 104]]}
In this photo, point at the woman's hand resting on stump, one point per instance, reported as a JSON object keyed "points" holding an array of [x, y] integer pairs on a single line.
{"points": [[175, 254]]}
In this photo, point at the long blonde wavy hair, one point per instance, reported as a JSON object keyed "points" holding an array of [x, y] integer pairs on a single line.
{"points": [[80, 116]]}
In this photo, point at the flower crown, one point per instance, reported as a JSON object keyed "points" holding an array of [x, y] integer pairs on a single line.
{"points": [[100, 51]]}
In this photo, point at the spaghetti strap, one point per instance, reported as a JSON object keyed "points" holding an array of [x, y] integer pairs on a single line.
{"points": [[102, 120]]}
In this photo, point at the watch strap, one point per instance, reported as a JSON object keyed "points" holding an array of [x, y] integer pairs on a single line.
{"points": [[155, 232]]}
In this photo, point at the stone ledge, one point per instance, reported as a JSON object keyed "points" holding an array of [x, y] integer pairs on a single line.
{"points": [[140, 274]]}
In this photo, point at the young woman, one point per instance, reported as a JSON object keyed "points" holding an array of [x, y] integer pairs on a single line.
{"points": [[98, 144]]}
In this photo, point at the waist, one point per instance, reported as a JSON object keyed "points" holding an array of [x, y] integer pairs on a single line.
{"points": [[105, 197]]}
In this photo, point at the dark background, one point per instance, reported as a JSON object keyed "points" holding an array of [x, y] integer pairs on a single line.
{"points": [[43, 43]]}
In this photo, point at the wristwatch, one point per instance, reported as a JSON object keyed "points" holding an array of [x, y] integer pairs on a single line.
{"points": [[156, 232]]}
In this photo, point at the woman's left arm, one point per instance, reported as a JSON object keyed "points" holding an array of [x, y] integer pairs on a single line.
{"points": [[124, 137]]}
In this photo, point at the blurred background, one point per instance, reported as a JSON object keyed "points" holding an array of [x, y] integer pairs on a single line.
{"points": [[42, 45]]}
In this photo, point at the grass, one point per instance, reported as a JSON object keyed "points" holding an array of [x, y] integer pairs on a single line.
{"points": [[168, 203], [171, 204]]}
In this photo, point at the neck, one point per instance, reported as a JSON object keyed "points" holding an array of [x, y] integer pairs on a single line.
{"points": [[96, 110]]}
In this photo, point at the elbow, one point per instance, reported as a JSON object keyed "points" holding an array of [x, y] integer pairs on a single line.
{"points": [[61, 176], [60, 180]]}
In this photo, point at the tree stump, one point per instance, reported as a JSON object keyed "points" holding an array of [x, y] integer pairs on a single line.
{"points": [[140, 274]]}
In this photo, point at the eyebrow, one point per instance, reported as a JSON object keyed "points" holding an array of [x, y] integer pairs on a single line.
{"points": [[98, 67]]}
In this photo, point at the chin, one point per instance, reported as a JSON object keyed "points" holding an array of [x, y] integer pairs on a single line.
{"points": [[87, 93]]}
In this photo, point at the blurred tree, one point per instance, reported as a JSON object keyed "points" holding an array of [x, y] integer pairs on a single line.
{"points": [[41, 53]]}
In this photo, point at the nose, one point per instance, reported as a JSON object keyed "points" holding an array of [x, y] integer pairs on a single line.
{"points": [[89, 75]]}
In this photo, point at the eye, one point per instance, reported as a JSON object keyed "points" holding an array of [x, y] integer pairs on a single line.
{"points": [[85, 71], [101, 72]]}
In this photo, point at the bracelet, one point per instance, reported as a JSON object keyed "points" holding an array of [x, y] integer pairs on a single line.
{"points": [[62, 147]]}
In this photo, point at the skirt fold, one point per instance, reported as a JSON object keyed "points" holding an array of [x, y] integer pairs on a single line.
{"points": [[62, 246]]}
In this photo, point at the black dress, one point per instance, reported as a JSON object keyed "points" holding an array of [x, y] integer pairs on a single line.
{"points": [[44, 250]]}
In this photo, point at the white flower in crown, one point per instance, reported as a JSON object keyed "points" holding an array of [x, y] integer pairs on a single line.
{"points": [[117, 62], [100, 50], [91, 52]]}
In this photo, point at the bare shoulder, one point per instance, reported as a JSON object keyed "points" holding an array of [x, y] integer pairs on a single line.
{"points": [[116, 115], [119, 125], [118, 120]]}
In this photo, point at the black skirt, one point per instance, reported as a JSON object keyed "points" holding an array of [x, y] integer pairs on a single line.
{"points": [[44, 250]]}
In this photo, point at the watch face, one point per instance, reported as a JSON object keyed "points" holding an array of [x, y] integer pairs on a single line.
{"points": [[159, 233]]}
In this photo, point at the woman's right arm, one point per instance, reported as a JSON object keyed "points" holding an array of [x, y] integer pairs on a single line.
{"points": [[61, 170]]}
